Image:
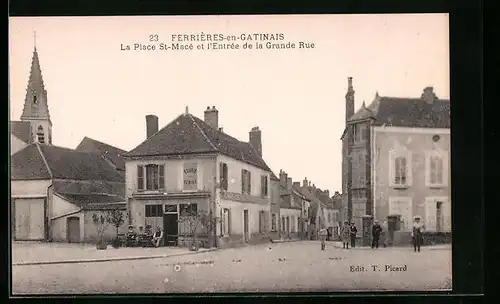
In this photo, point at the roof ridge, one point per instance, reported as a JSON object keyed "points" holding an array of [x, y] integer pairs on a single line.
{"points": [[410, 98], [44, 160], [102, 143], [201, 130]]}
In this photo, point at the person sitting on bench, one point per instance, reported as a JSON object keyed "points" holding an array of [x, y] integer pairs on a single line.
{"points": [[157, 237]]}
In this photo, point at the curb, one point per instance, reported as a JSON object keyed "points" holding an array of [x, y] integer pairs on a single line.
{"points": [[110, 259]]}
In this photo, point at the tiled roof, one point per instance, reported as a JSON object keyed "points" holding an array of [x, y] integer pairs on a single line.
{"points": [[28, 164], [406, 112], [274, 177], [90, 187], [113, 154], [62, 163], [413, 112], [22, 130], [188, 134], [69, 164], [95, 201]]}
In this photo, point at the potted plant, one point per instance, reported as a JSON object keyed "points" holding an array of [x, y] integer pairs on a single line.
{"points": [[116, 218], [101, 221]]}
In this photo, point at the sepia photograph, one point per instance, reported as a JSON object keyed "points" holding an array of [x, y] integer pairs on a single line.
{"points": [[230, 154]]}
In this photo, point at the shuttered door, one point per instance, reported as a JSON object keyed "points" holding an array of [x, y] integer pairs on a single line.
{"points": [[29, 219], [36, 219]]}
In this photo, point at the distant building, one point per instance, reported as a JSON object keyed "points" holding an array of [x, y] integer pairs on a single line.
{"points": [[395, 160], [292, 206], [192, 165]]}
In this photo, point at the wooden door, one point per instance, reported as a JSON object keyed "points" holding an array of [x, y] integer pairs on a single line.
{"points": [[73, 229], [36, 219], [170, 229]]}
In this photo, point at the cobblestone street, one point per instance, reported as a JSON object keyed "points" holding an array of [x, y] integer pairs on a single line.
{"points": [[296, 266]]}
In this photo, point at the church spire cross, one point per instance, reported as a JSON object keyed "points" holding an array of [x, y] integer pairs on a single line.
{"points": [[34, 39]]}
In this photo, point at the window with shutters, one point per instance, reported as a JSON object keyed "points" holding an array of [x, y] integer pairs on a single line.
{"points": [[151, 177], [264, 186], [154, 210], [436, 169], [246, 182], [400, 169], [402, 206], [283, 224], [223, 176]]}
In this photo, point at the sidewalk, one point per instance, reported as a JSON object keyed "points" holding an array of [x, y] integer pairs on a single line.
{"points": [[427, 247], [35, 253]]}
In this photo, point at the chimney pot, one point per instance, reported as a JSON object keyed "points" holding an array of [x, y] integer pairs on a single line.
{"points": [[151, 125], [213, 107], [212, 117]]}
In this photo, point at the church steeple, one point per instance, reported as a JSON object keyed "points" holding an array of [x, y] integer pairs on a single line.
{"points": [[36, 109]]}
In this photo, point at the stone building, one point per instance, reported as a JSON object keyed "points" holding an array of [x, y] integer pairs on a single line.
{"points": [[395, 160], [191, 164], [54, 190]]}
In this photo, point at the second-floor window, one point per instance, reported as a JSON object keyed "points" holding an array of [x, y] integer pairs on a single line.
{"points": [[263, 185], [223, 176], [151, 177], [246, 182]]}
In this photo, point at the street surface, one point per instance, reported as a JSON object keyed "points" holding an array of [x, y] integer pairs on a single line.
{"points": [[284, 267]]}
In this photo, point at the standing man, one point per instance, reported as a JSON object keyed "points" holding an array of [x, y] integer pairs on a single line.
{"points": [[322, 236], [376, 230], [353, 231], [345, 234], [416, 235]]}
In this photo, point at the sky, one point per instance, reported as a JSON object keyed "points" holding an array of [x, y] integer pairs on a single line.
{"points": [[295, 96]]}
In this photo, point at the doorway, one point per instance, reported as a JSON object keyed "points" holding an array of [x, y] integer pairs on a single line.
{"points": [[245, 225], [170, 229], [73, 229]]}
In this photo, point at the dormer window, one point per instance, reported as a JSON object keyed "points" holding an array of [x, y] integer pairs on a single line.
{"points": [[40, 135]]}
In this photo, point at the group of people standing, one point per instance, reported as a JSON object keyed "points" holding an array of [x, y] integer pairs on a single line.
{"points": [[349, 232]]}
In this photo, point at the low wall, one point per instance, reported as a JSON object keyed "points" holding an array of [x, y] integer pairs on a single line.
{"points": [[235, 240]]}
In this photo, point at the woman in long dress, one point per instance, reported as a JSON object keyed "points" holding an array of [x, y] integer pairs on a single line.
{"points": [[345, 234]]}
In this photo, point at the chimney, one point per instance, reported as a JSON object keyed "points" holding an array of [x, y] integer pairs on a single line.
{"points": [[289, 183], [349, 100], [296, 184], [256, 139], [283, 178], [327, 193], [428, 95], [304, 182], [151, 125], [212, 117], [221, 130]]}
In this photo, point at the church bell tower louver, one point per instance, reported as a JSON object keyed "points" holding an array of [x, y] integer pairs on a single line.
{"points": [[36, 109]]}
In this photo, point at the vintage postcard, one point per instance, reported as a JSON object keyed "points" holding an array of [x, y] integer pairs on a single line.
{"points": [[227, 154]]}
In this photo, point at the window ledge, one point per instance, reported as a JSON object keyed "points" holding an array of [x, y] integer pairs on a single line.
{"points": [[401, 187], [436, 186]]}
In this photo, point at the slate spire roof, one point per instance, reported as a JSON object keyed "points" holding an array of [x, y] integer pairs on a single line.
{"points": [[187, 134], [35, 102]]}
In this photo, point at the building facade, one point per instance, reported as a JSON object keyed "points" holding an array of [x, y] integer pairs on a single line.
{"points": [[395, 160], [191, 164]]}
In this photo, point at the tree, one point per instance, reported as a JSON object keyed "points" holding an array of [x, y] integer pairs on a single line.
{"points": [[116, 218], [101, 221], [192, 219]]}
